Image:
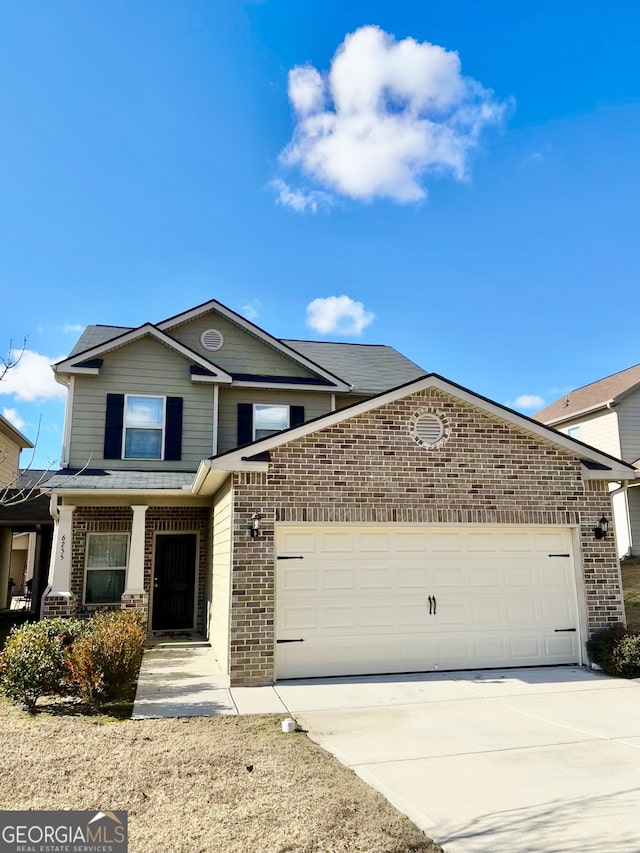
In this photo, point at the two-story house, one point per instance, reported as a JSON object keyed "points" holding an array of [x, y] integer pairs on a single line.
{"points": [[606, 414], [321, 508]]}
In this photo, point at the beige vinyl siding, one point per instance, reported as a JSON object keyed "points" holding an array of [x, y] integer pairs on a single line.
{"points": [[220, 605], [599, 430], [9, 456], [143, 367], [629, 419], [315, 404], [241, 352]]}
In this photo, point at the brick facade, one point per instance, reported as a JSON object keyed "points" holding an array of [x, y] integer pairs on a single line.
{"points": [[118, 519], [369, 469]]}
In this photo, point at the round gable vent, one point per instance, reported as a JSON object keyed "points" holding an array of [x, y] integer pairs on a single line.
{"points": [[212, 340], [428, 428]]}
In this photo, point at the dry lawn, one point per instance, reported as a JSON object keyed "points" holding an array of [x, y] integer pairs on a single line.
{"points": [[631, 586], [186, 784]]}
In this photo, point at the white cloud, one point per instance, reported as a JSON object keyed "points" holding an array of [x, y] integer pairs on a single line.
{"points": [[299, 200], [32, 378], [251, 309], [14, 418], [68, 328], [338, 314], [386, 114], [528, 401]]}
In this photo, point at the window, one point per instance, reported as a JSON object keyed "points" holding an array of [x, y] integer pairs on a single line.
{"points": [[574, 432], [106, 567], [268, 420], [143, 427]]}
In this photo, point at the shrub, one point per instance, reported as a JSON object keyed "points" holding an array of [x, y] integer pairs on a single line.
{"points": [[617, 651], [32, 661], [102, 665]]}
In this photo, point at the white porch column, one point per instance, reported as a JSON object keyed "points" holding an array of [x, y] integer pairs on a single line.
{"points": [[59, 600], [135, 571], [60, 566]]}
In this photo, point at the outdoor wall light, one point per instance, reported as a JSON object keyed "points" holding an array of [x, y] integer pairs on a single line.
{"points": [[255, 525], [601, 530]]}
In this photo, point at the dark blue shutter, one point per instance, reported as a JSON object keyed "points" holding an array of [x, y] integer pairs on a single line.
{"points": [[296, 416], [245, 423], [173, 430], [113, 426]]}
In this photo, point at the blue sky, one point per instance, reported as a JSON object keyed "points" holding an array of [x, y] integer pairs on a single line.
{"points": [[154, 155]]}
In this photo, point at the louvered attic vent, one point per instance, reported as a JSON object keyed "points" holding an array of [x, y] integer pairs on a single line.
{"points": [[212, 340], [428, 429]]}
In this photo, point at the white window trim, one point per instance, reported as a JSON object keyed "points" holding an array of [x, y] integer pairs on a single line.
{"points": [[162, 429], [103, 568], [270, 405]]}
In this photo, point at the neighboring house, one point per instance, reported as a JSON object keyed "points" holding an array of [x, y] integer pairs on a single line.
{"points": [[606, 414], [12, 442], [321, 508]]}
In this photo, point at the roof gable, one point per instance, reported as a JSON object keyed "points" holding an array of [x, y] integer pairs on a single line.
{"points": [[591, 397], [290, 359], [78, 362], [606, 467], [7, 429]]}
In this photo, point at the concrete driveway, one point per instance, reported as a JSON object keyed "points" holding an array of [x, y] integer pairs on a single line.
{"points": [[509, 761]]}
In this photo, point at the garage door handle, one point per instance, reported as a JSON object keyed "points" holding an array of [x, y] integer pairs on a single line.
{"points": [[435, 605], [565, 630], [559, 555], [289, 641], [430, 605], [289, 558]]}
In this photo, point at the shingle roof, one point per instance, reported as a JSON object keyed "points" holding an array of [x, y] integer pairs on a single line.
{"points": [[368, 367], [99, 478], [93, 336], [591, 396]]}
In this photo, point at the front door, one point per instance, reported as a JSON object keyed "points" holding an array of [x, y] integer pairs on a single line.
{"points": [[174, 582]]}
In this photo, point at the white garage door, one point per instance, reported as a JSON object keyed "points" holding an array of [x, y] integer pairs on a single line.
{"points": [[401, 599]]}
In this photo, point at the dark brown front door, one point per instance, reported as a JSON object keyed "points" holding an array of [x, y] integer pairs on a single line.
{"points": [[174, 582]]}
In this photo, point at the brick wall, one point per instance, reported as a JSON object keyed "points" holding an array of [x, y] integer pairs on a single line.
{"points": [[369, 469], [118, 519]]}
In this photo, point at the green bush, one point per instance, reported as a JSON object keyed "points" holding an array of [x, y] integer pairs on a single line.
{"points": [[102, 665], [32, 661], [616, 651]]}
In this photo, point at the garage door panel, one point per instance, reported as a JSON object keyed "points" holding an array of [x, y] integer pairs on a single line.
{"points": [[298, 579], [516, 542], [295, 619], [297, 541], [336, 543], [360, 599], [375, 578], [410, 541], [338, 578], [378, 543], [554, 575]]}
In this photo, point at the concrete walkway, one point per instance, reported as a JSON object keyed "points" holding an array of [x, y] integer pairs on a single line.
{"points": [[180, 678]]}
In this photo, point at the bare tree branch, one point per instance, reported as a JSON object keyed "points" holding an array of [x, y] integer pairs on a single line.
{"points": [[6, 364]]}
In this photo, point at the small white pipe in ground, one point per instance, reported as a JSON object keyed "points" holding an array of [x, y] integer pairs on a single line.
{"points": [[288, 725]]}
